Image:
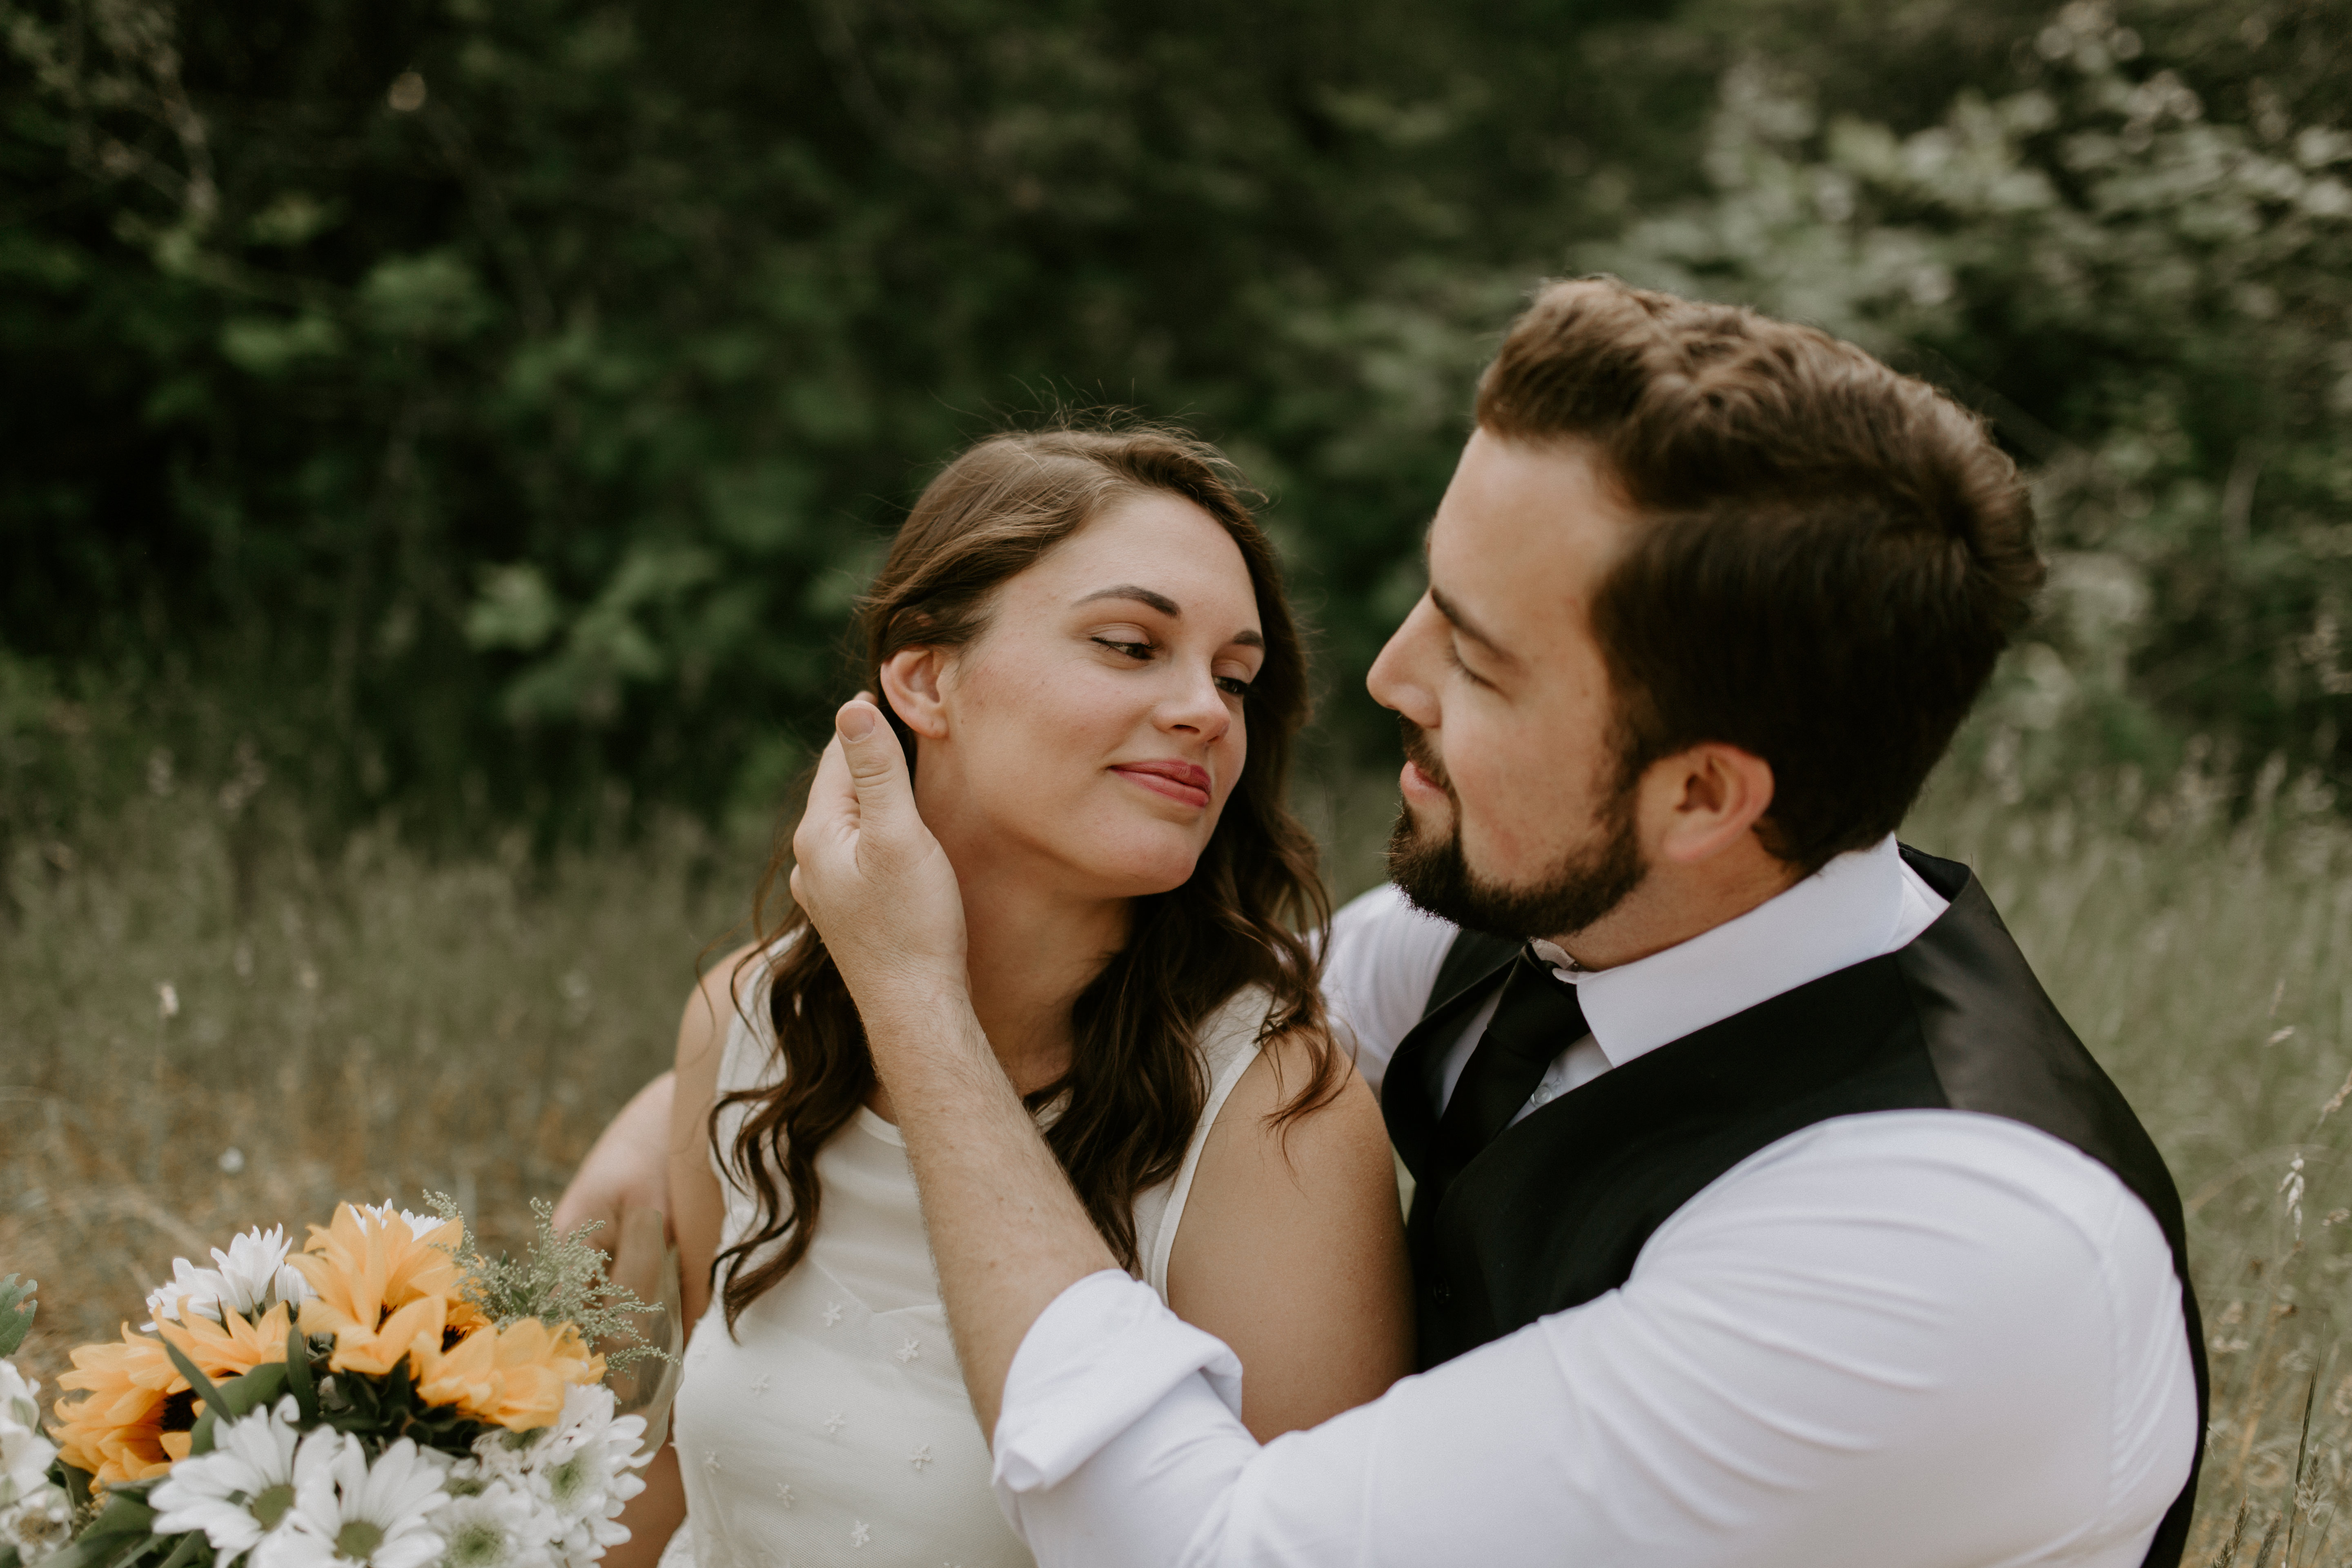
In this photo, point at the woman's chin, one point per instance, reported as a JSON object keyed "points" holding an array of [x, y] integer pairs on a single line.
{"points": [[1138, 869]]}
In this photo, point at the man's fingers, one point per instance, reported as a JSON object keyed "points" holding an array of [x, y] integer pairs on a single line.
{"points": [[886, 797]]}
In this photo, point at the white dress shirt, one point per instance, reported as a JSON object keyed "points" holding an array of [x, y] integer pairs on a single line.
{"points": [[1916, 1338]]}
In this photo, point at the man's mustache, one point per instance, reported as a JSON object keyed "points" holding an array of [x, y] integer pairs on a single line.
{"points": [[1421, 753]]}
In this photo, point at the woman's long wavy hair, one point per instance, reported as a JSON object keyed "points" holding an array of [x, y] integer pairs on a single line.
{"points": [[1136, 1087]]}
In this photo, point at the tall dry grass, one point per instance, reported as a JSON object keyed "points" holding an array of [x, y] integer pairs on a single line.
{"points": [[372, 1022], [205, 1024]]}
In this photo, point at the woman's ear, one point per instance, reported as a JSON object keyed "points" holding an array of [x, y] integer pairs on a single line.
{"points": [[911, 680]]}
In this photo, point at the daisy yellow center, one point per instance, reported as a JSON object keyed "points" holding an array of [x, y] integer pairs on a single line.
{"points": [[357, 1538], [568, 1480], [475, 1545], [269, 1505]]}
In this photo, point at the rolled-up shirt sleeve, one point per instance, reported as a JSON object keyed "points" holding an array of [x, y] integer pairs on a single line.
{"points": [[1913, 1340]]}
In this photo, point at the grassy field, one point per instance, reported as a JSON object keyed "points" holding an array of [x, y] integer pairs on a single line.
{"points": [[204, 1024]]}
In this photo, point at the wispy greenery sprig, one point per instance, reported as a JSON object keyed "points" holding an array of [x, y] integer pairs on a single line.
{"points": [[559, 1278], [16, 1308]]}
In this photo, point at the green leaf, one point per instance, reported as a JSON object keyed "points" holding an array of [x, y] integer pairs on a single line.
{"points": [[185, 1551], [124, 1514], [297, 1375], [239, 1396], [76, 1482], [17, 1308], [196, 1379]]}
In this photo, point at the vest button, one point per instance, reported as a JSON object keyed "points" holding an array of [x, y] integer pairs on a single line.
{"points": [[1440, 1291]]}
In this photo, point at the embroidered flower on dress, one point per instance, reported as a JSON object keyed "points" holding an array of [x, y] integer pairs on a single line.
{"points": [[920, 1457], [832, 1313], [910, 1351], [834, 1422], [858, 1534]]}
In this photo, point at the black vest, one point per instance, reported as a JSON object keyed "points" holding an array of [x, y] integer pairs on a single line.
{"points": [[1555, 1210]]}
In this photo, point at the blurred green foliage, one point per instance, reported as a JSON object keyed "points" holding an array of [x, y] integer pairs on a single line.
{"points": [[471, 413]]}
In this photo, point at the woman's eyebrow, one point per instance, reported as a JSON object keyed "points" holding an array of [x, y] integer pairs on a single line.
{"points": [[1167, 607], [1142, 596]]}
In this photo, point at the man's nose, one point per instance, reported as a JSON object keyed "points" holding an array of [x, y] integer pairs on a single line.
{"points": [[1396, 680]]}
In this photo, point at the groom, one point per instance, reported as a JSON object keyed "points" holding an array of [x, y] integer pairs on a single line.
{"points": [[1767, 1212]]}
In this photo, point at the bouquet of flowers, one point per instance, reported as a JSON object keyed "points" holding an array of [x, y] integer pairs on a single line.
{"points": [[387, 1397]]}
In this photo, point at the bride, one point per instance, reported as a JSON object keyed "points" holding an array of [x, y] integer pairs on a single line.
{"points": [[1082, 642]]}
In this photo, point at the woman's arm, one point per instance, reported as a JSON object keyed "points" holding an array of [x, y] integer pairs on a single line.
{"points": [[700, 1210], [1291, 1249], [640, 1159], [627, 1167]]}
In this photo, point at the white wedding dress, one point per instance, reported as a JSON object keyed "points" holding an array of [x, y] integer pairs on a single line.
{"points": [[833, 1428]]}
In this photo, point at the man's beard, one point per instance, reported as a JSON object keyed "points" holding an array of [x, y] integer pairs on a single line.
{"points": [[1582, 887]]}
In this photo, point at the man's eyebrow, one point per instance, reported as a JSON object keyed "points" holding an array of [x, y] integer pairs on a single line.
{"points": [[1167, 607], [1468, 627]]}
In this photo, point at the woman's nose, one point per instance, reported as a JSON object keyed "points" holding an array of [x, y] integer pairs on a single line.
{"points": [[1197, 705]]}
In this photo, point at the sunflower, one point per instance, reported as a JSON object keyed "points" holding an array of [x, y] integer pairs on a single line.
{"points": [[407, 1331], [232, 1346], [513, 1377], [366, 1265], [115, 1432]]}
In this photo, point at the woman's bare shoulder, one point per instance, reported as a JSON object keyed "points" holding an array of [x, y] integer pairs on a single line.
{"points": [[728, 989]]}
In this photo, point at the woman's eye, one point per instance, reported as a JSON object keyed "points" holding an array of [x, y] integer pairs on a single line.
{"points": [[1135, 651], [1233, 686]]}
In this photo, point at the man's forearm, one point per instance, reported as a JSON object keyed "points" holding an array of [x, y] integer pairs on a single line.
{"points": [[1007, 1232]]}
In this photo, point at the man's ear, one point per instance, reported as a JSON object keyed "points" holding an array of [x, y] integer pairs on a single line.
{"points": [[911, 680], [1706, 800]]}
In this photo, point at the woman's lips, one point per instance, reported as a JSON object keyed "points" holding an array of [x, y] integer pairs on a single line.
{"points": [[1187, 783]]}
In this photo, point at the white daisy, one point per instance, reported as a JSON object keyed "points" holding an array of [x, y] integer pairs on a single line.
{"points": [[240, 1492], [492, 1525], [252, 1274], [348, 1512], [385, 1213], [35, 1514], [581, 1471], [38, 1525], [25, 1454]]}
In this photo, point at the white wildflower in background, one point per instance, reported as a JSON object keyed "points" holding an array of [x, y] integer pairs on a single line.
{"points": [[242, 1492], [349, 1511], [252, 1275], [2291, 1194], [35, 1514]]}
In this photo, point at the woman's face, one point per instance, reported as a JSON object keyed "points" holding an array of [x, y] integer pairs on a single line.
{"points": [[1092, 733]]}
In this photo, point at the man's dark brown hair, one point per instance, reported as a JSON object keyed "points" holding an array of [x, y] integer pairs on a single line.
{"points": [[1830, 556]]}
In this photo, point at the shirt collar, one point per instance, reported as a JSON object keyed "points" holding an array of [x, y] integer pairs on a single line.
{"points": [[1841, 915]]}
